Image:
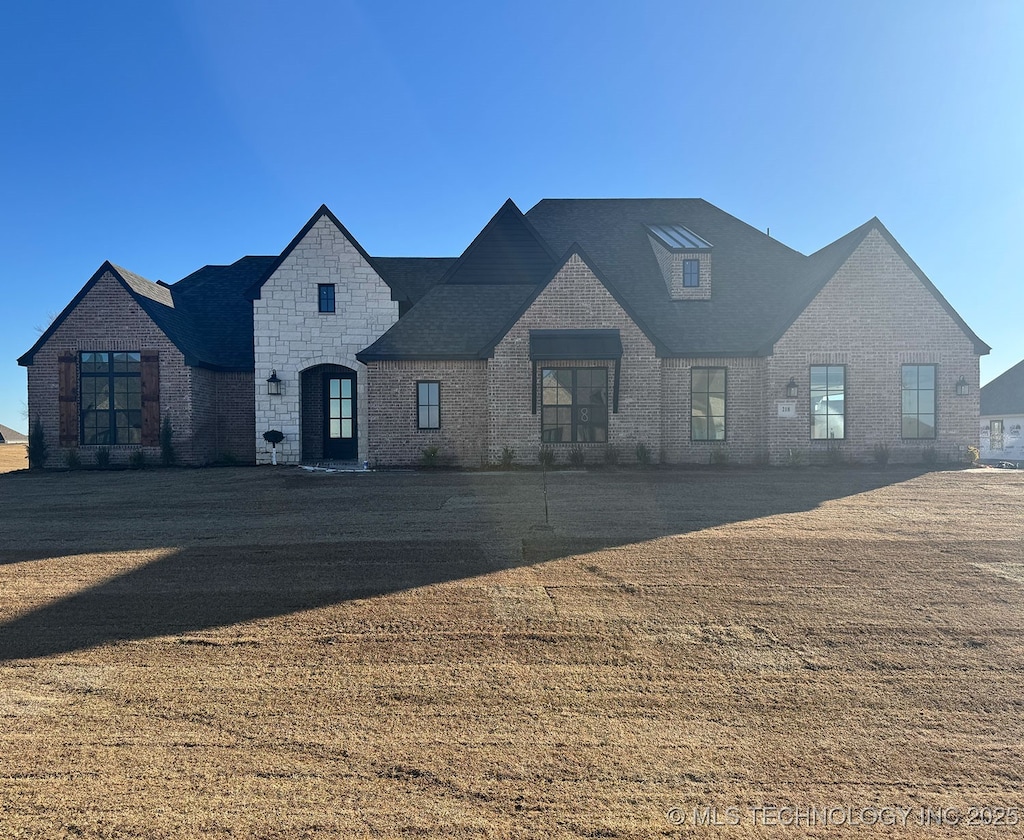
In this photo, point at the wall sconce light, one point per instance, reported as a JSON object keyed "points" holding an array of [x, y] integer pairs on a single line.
{"points": [[274, 384], [791, 388], [962, 388]]}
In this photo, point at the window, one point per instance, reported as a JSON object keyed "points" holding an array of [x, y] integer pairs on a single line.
{"points": [[111, 398], [326, 296], [995, 434], [428, 410], [919, 401], [707, 404], [828, 402], [574, 405], [691, 274]]}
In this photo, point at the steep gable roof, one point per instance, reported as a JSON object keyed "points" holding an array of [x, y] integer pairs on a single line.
{"points": [[8, 435], [507, 250], [410, 278], [1005, 394]]}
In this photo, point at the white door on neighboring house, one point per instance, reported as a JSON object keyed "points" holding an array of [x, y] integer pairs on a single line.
{"points": [[995, 435]]}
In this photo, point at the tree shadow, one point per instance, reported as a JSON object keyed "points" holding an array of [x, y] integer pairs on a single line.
{"points": [[397, 532]]}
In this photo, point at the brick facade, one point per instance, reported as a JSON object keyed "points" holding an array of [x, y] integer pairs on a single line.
{"points": [[292, 335]]}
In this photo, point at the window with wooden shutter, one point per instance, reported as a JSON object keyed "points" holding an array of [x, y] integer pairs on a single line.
{"points": [[150, 398], [67, 379]]}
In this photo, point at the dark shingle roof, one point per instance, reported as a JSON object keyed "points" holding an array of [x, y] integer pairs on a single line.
{"points": [[1004, 395], [410, 278], [8, 435]]}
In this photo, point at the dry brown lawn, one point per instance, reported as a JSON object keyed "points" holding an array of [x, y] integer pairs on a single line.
{"points": [[13, 456], [279, 654]]}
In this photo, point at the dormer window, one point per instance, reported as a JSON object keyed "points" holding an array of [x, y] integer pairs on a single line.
{"points": [[685, 261]]}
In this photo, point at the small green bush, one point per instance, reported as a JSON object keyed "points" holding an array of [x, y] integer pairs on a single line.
{"points": [[643, 455], [137, 460], [38, 451], [73, 459], [881, 454], [835, 456], [795, 458], [430, 456], [577, 457], [508, 457], [103, 457], [611, 455], [167, 454], [719, 456], [546, 456]]}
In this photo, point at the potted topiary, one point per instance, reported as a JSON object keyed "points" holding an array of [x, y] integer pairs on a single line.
{"points": [[273, 437]]}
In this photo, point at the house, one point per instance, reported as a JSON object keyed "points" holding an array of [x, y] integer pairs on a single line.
{"points": [[591, 327], [1002, 416], [8, 435]]}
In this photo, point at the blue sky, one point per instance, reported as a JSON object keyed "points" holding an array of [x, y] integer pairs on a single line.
{"points": [[165, 136]]}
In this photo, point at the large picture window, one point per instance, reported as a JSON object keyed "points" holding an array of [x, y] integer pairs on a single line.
{"points": [[428, 405], [111, 398], [574, 405], [828, 402], [919, 401], [707, 403]]}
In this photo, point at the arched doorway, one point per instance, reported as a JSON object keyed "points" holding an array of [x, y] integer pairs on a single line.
{"points": [[329, 414]]}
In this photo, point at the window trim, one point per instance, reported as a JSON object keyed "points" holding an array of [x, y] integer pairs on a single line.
{"points": [[725, 401], [696, 264], [420, 404], [321, 302], [573, 423], [935, 403], [111, 375], [828, 393]]}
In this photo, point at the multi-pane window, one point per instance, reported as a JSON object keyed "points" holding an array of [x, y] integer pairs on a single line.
{"points": [[574, 405], [707, 404], [995, 434], [339, 409], [828, 402], [326, 296], [919, 401], [111, 398], [428, 405], [691, 273]]}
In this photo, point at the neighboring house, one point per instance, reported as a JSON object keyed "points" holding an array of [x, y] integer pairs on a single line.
{"points": [[1002, 416], [8, 435], [592, 326]]}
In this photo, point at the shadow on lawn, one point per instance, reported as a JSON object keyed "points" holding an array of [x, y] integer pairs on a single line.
{"points": [[217, 584]]}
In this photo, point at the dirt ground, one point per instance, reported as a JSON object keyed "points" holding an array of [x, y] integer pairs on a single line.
{"points": [[272, 653], [13, 456]]}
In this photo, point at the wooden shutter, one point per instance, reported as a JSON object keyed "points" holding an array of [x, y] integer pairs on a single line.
{"points": [[67, 379], [150, 374]]}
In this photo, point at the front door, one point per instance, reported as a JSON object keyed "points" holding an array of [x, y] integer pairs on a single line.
{"points": [[340, 441]]}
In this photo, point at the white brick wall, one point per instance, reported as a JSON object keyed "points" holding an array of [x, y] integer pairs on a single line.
{"points": [[290, 334]]}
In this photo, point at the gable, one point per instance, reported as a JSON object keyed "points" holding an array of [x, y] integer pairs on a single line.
{"points": [[1004, 395]]}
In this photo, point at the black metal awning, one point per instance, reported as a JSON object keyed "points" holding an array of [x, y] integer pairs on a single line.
{"points": [[553, 345]]}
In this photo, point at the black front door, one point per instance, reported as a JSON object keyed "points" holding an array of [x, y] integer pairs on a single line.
{"points": [[340, 439]]}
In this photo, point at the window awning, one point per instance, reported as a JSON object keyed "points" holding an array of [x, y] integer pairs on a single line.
{"points": [[550, 345]]}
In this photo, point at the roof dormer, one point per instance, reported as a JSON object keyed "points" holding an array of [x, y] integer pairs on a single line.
{"points": [[685, 261]]}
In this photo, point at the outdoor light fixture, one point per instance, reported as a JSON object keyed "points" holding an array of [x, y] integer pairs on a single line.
{"points": [[791, 387], [274, 384], [962, 388]]}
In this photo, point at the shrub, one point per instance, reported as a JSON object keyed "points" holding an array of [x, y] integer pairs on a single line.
{"points": [[546, 456], [835, 456], [643, 455], [37, 448], [577, 457], [103, 457], [73, 459], [611, 455], [167, 455], [972, 455], [430, 456], [795, 458], [719, 456], [508, 457], [929, 456], [137, 460], [881, 454]]}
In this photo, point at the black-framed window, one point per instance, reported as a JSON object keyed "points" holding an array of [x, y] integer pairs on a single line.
{"points": [[110, 389], [919, 401], [574, 405], [325, 295], [828, 402], [707, 403], [428, 405], [691, 273]]}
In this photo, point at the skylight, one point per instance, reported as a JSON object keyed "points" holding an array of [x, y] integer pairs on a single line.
{"points": [[678, 238]]}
